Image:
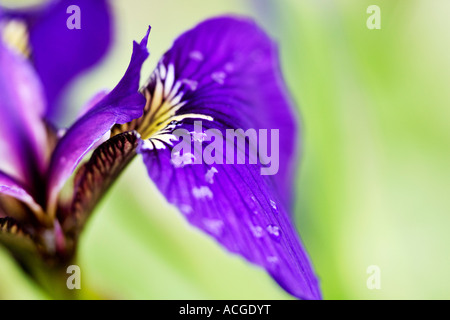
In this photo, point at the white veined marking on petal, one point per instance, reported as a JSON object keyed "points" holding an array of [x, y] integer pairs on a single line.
{"points": [[179, 161], [175, 90], [162, 71], [145, 145], [163, 137], [157, 95], [214, 226], [196, 55], [219, 77], [159, 145], [209, 176], [202, 192], [166, 101], [169, 80]]}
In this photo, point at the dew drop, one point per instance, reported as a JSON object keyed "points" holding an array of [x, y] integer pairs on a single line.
{"points": [[60, 133], [219, 77], [186, 209], [272, 259], [215, 226], [257, 231], [196, 55], [273, 204], [202, 192], [274, 231], [229, 67], [179, 161]]}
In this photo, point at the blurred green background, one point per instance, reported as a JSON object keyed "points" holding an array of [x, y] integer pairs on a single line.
{"points": [[374, 179]]}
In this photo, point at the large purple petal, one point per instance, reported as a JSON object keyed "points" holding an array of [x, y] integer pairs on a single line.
{"points": [[229, 69], [22, 104], [242, 209], [59, 53], [123, 104], [226, 71]]}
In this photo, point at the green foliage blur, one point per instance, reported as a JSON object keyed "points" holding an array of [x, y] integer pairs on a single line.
{"points": [[374, 179]]}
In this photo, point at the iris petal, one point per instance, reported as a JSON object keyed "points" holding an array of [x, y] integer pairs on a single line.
{"points": [[225, 72], [58, 53], [22, 105], [123, 104]]}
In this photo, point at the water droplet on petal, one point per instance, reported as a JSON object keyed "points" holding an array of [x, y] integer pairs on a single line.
{"points": [[219, 77], [273, 204], [202, 192], [257, 231], [229, 67], [209, 176], [196, 55], [274, 231], [272, 259], [215, 226], [179, 161], [61, 132], [186, 209]]}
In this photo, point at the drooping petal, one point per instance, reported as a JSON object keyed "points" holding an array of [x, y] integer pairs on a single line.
{"points": [[23, 135], [225, 73], [123, 104], [60, 53]]}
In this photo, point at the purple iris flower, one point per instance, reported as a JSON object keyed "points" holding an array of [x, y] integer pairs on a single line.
{"points": [[224, 72]]}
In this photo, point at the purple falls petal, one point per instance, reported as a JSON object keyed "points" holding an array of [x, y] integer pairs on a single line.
{"points": [[22, 104], [60, 54], [123, 104], [241, 209], [226, 70]]}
